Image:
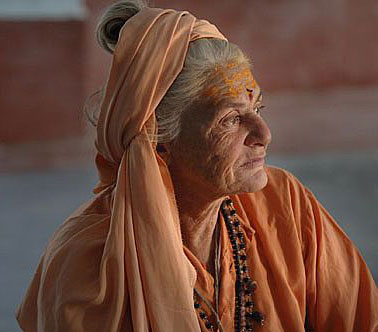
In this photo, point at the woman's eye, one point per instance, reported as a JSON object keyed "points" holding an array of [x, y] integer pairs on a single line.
{"points": [[232, 121], [258, 109]]}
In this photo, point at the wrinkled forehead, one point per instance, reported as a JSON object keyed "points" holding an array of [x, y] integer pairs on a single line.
{"points": [[232, 80]]}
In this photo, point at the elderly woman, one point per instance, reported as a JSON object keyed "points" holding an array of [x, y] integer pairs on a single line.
{"points": [[189, 230]]}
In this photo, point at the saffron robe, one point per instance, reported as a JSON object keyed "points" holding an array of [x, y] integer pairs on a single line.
{"points": [[307, 270]]}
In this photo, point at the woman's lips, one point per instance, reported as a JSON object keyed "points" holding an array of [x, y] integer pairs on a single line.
{"points": [[253, 163]]}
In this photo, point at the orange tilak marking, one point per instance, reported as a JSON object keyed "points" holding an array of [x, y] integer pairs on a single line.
{"points": [[234, 80]]}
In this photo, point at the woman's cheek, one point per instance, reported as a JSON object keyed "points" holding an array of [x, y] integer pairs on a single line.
{"points": [[222, 166], [221, 139], [221, 153]]}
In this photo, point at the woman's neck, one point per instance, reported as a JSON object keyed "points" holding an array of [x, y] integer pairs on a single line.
{"points": [[198, 218]]}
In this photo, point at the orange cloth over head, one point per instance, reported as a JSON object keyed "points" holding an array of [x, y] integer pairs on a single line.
{"points": [[143, 267], [144, 240], [144, 235]]}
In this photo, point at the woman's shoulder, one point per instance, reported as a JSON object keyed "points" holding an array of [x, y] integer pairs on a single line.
{"points": [[280, 178], [281, 191], [283, 186], [88, 224], [275, 196], [284, 201]]}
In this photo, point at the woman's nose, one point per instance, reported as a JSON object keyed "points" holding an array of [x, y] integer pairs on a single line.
{"points": [[259, 132]]}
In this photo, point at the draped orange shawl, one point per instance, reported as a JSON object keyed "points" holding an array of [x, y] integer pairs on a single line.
{"points": [[142, 262]]}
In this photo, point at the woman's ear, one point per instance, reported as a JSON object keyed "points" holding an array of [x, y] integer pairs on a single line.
{"points": [[163, 149]]}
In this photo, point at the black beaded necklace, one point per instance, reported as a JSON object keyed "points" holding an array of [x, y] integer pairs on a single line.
{"points": [[245, 316]]}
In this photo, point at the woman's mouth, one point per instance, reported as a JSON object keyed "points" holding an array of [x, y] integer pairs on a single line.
{"points": [[253, 163]]}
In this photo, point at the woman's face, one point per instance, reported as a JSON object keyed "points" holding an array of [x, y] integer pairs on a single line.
{"points": [[222, 143]]}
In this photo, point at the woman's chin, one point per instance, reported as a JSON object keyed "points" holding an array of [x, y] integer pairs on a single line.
{"points": [[255, 182]]}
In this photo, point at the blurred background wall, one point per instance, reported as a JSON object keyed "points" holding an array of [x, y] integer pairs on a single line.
{"points": [[317, 63], [295, 44], [50, 62]]}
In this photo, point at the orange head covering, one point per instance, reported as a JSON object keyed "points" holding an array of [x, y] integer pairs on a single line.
{"points": [[144, 247], [98, 266]]}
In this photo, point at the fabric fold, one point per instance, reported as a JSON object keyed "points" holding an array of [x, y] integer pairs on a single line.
{"points": [[149, 56], [136, 266], [160, 278]]}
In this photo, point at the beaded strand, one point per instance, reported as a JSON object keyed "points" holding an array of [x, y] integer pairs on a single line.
{"points": [[245, 316]]}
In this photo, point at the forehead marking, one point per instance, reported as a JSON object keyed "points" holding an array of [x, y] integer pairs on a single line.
{"points": [[231, 81]]}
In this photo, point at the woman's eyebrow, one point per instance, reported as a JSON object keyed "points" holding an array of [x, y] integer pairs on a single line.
{"points": [[240, 105], [231, 104]]}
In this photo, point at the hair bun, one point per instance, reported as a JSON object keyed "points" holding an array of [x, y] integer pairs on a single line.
{"points": [[112, 21]]}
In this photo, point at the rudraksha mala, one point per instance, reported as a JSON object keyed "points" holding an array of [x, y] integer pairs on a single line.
{"points": [[245, 316]]}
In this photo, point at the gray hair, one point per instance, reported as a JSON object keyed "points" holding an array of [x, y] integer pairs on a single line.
{"points": [[204, 55]]}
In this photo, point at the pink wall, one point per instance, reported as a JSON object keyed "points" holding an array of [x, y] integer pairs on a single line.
{"points": [[41, 81], [48, 68], [293, 44]]}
